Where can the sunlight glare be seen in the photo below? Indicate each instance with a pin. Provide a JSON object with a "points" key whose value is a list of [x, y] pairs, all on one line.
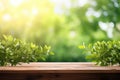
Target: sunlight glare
{"points": [[25, 12], [6, 17], [92, 12], [1, 6], [16, 2], [81, 3], [72, 34], [34, 11], [59, 4], [108, 27]]}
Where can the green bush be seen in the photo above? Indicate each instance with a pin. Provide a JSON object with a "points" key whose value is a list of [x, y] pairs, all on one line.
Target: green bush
{"points": [[14, 51], [105, 53]]}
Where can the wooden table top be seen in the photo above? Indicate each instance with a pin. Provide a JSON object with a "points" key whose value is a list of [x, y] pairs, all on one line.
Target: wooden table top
{"points": [[60, 67]]}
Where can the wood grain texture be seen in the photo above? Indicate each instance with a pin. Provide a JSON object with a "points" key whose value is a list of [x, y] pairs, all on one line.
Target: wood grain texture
{"points": [[59, 71], [64, 67], [61, 76]]}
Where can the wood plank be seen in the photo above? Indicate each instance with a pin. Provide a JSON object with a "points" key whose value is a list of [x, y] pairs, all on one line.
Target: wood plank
{"points": [[60, 76], [60, 67], [59, 71]]}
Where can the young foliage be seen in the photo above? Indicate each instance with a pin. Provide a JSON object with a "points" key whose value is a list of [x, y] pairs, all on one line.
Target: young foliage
{"points": [[14, 51], [105, 53]]}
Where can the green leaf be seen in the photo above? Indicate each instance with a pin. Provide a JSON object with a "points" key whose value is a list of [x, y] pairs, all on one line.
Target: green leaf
{"points": [[13, 51]]}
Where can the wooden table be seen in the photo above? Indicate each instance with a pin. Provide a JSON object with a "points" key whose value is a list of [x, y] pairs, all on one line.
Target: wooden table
{"points": [[59, 71]]}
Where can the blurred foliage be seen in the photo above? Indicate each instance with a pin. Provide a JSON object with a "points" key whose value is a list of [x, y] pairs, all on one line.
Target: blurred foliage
{"points": [[63, 24]]}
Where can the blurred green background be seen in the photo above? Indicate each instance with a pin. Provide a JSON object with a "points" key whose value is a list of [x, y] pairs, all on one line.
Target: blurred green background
{"points": [[62, 24]]}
